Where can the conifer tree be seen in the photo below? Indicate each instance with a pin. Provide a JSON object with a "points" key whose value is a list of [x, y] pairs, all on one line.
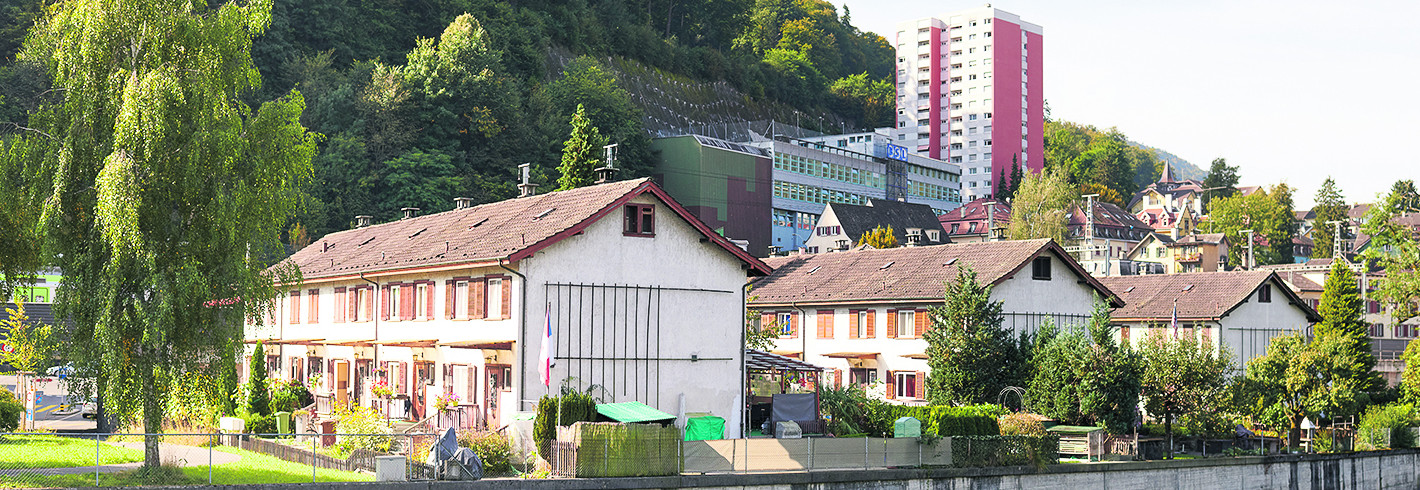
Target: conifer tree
{"points": [[1341, 322], [581, 153], [258, 398], [1016, 175], [1003, 187]]}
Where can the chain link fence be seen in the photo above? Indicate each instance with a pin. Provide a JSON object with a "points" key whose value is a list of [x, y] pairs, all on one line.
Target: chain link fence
{"points": [[45, 460]]}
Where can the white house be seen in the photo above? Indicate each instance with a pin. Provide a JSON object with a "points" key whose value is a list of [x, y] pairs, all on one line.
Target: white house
{"points": [[841, 225], [1243, 309], [643, 301], [862, 313]]}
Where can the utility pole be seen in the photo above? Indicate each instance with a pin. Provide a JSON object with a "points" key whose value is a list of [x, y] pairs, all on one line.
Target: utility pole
{"points": [[1250, 263], [990, 220], [1090, 229], [1336, 238]]}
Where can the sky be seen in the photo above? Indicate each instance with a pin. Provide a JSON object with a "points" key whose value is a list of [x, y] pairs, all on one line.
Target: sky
{"points": [[1286, 91]]}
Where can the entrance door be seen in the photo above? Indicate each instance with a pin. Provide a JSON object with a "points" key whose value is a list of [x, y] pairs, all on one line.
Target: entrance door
{"points": [[362, 382], [423, 377], [342, 383], [497, 382]]}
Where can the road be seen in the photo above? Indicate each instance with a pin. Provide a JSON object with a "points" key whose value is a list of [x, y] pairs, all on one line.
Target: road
{"points": [[51, 411]]}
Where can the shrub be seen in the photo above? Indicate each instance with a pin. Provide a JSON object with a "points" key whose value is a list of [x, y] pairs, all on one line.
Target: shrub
{"points": [[287, 396], [361, 420], [1020, 424], [10, 411], [494, 450], [978, 451], [1386, 426], [576, 407], [258, 399], [259, 424]]}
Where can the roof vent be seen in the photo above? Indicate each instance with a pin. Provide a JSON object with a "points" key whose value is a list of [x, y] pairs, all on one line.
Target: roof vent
{"points": [[475, 225], [813, 270], [409, 212], [463, 202], [363, 220], [1129, 290], [951, 261]]}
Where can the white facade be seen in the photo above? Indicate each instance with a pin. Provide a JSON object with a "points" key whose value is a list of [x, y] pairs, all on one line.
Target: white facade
{"points": [[1244, 331]]}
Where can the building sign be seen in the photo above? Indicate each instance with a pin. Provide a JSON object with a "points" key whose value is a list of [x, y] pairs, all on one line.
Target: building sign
{"points": [[896, 152]]}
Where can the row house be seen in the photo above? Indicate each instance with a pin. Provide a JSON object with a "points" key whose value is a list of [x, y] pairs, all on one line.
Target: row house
{"points": [[1241, 310], [862, 313], [637, 297], [1104, 238]]}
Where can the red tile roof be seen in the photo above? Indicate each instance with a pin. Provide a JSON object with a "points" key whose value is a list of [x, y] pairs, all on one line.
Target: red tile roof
{"points": [[904, 274], [511, 229], [1199, 295]]}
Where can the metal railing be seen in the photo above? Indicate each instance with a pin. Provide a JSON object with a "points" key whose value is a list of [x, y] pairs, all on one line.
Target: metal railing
{"points": [[121, 459]]}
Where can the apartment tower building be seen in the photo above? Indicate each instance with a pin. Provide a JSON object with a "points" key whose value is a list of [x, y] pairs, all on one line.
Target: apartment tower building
{"points": [[969, 92]]}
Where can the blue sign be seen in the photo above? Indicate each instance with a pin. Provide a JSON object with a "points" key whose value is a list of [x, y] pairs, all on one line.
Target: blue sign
{"points": [[896, 152]]}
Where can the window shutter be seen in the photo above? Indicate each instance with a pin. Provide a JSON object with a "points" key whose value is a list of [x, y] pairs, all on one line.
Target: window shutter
{"points": [[794, 325], [340, 306], [352, 298], [295, 307], [765, 320], [920, 323], [872, 325], [477, 298], [449, 300], [891, 384], [428, 300], [507, 297], [385, 303], [921, 390], [330, 377], [837, 378], [406, 302], [825, 323], [892, 324], [852, 324], [403, 377]]}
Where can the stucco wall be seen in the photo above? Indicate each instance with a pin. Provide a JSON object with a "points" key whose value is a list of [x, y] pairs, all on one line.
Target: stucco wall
{"points": [[1245, 331]]}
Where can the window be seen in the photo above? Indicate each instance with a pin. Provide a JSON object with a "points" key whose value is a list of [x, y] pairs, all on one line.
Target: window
{"points": [[1264, 294], [362, 302], [862, 332], [786, 325], [640, 220], [1040, 268], [421, 302], [906, 384], [394, 303], [461, 300], [906, 322], [495, 298], [862, 376]]}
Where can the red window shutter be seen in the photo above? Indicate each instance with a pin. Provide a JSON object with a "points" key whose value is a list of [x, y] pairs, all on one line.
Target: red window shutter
{"points": [[314, 315], [825, 323], [766, 320], [295, 307], [892, 324], [920, 323], [837, 378], [1124, 335], [403, 378], [920, 390], [449, 300], [891, 384], [794, 325], [352, 298], [852, 324], [429, 300], [339, 309], [872, 325], [477, 298], [385, 303], [507, 297], [406, 302]]}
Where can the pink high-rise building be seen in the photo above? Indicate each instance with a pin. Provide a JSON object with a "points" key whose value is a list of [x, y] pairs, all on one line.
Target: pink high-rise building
{"points": [[969, 92]]}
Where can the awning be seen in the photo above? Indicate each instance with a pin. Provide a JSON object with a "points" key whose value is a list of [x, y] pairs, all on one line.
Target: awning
{"points": [[758, 360], [409, 343], [633, 413], [349, 342], [480, 344], [785, 353], [285, 341], [853, 355], [915, 356]]}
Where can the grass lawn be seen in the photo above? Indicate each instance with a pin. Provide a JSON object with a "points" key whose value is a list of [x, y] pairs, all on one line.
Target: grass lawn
{"points": [[252, 468], [59, 452]]}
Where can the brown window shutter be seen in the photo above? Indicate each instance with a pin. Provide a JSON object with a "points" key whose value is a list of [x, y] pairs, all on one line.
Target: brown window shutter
{"points": [[406, 302], [765, 320], [825, 323], [794, 325], [891, 384], [352, 306], [339, 309], [920, 322], [385, 303], [837, 378], [507, 297], [852, 324], [429, 300], [449, 300], [403, 379], [872, 325], [477, 298], [921, 390], [295, 307], [313, 316], [892, 324]]}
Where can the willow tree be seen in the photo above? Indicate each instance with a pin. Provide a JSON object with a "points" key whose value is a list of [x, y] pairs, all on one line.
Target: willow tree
{"points": [[166, 193]]}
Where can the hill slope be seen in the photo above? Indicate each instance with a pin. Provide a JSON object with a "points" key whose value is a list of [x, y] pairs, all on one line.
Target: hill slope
{"points": [[1181, 167]]}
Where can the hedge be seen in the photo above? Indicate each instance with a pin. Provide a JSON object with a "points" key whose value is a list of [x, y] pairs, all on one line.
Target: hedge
{"points": [[980, 451], [576, 407], [978, 420]]}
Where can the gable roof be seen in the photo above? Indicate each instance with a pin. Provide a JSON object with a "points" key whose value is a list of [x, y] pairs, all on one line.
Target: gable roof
{"points": [[505, 230], [977, 210], [1203, 238], [1200, 295], [903, 274], [1106, 214], [1149, 240], [856, 220]]}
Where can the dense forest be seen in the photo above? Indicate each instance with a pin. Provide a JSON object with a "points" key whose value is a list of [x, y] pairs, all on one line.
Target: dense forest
{"points": [[421, 102], [1100, 162]]}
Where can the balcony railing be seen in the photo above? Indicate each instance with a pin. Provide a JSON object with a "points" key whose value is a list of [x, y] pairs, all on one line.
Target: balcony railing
{"points": [[1194, 257]]}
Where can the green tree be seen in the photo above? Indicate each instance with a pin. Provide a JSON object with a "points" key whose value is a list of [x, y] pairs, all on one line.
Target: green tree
{"points": [[19, 237], [1407, 199], [971, 355], [868, 99], [1410, 377], [1222, 180], [1003, 186], [1016, 176], [1040, 207], [879, 237], [1281, 244], [422, 180], [1082, 376], [29, 347], [228, 382], [163, 191], [1269, 219], [581, 153], [1395, 248], [758, 334], [1181, 376], [1343, 329], [258, 400], [1296, 379], [588, 84], [1330, 206]]}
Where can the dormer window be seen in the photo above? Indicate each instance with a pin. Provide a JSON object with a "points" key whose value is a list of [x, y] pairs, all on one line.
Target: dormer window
{"points": [[640, 220]]}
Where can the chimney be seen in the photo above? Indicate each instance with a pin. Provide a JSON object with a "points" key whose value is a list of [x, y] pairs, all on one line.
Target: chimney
{"points": [[409, 212], [363, 220], [914, 237], [463, 202], [606, 172], [526, 188]]}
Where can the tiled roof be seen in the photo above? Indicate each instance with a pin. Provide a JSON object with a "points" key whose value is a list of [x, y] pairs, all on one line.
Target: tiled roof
{"points": [[1299, 282], [1208, 238], [856, 220], [899, 274], [481, 233], [1200, 295], [1107, 214], [977, 210]]}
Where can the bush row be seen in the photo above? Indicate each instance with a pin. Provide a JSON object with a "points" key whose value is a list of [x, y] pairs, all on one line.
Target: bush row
{"points": [[575, 407], [981, 451]]}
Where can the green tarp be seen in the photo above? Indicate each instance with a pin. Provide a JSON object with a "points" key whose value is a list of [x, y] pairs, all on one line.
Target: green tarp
{"points": [[708, 428], [633, 413]]}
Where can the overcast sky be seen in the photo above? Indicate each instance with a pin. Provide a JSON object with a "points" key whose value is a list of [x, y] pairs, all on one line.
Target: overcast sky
{"points": [[1288, 91]]}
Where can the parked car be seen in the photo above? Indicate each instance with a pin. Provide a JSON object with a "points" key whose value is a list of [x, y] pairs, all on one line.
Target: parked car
{"points": [[90, 409], [61, 371]]}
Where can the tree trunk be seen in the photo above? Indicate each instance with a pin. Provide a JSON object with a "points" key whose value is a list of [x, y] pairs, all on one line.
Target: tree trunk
{"points": [[1294, 435], [1168, 436], [152, 421]]}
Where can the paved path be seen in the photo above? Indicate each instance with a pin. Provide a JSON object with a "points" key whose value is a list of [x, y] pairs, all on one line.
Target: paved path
{"points": [[170, 453]]}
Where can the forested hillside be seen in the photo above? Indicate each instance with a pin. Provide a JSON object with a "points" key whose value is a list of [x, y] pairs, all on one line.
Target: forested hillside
{"points": [[418, 103], [1100, 162]]}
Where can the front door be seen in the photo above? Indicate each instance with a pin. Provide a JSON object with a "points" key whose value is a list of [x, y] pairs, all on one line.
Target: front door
{"points": [[362, 382], [497, 377], [423, 377], [342, 383]]}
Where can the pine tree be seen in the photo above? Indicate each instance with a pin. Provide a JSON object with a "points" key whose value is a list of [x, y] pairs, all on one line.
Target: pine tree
{"points": [[1330, 206], [1003, 187], [1016, 175], [581, 153], [1341, 322], [258, 398], [971, 354]]}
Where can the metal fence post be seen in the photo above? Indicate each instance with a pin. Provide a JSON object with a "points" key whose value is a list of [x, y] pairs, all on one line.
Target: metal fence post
{"points": [[811, 454], [96, 459], [313, 458], [210, 444]]}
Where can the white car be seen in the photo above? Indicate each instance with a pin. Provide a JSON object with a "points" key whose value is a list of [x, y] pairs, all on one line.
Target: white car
{"points": [[61, 371]]}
